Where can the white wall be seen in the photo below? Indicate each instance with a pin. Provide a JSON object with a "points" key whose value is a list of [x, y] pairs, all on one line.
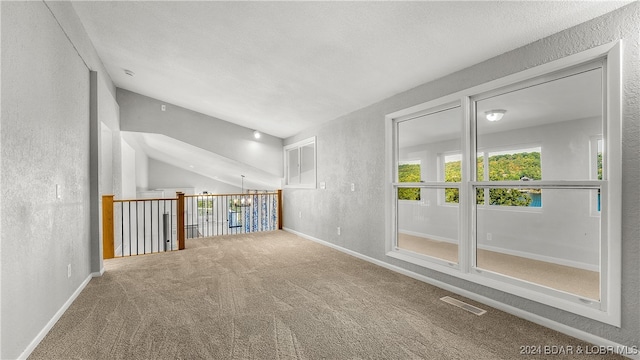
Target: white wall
{"points": [[163, 175], [142, 170], [44, 142], [106, 153], [351, 149], [128, 171]]}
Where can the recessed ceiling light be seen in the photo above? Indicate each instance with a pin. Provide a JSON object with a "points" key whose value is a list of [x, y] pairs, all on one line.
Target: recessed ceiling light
{"points": [[495, 115], [129, 72]]}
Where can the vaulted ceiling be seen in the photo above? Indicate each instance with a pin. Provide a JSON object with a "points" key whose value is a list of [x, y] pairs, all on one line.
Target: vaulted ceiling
{"points": [[280, 67]]}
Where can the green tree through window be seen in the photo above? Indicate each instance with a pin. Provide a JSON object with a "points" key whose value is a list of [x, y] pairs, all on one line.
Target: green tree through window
{"points": [[409, 172], [502, 167]]}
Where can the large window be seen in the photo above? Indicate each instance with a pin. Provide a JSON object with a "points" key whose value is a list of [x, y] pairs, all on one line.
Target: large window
{"points": [[519, 184], [563, 240], [424, 230], [300, 164]]}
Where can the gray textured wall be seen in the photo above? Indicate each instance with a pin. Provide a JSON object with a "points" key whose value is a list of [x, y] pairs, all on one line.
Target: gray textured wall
{"points": [[350, 149], [44, 141]]}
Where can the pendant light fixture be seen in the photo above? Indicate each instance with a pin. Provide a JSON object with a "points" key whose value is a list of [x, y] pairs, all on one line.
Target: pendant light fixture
{"points": [[244, 200]]}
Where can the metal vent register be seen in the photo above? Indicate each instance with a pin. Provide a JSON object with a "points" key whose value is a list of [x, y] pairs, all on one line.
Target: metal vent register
{"points": [[463, 305]]}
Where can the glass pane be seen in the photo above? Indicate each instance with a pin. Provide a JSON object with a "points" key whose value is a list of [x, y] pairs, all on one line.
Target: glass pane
{"points": [[409, 171], [545, 132], [292, 165], [452, 173], [307, 164], [423, 139], [599, 159], [558, 247], [427, 229]]}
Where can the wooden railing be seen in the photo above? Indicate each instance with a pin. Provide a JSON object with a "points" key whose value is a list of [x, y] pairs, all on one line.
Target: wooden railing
{"points": [[144, 226]]}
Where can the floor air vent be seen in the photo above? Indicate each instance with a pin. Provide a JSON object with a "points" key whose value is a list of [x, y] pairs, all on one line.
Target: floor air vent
{"points": [[463, 305]]}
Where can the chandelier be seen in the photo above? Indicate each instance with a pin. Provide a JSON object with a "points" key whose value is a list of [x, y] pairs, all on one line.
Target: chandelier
{"points": [[244, 200]]}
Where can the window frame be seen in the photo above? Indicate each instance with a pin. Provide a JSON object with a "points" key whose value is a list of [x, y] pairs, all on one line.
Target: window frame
{"points": [[442, 194], [608, 309], [297, 146]]}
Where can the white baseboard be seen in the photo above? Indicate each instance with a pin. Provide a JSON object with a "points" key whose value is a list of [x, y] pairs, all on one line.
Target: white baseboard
{"points": [[34, 343], [98, 273], [523, 254], [565, 329]]}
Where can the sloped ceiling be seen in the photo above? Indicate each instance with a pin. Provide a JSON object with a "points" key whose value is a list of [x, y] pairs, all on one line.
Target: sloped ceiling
{"points": [[280, 67], [202, 162]]}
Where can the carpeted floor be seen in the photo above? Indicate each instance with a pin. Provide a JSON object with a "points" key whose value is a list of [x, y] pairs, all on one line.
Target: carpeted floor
{"points": [[277, 296]]}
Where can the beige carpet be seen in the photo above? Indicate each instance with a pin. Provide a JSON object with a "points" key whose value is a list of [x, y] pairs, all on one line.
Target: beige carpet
{"points": [[565, 278], [276, 296]]}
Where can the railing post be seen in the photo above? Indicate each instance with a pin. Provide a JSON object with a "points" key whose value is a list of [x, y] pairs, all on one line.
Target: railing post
{"points": [[108, 251], [279, 209], [181, 228]]}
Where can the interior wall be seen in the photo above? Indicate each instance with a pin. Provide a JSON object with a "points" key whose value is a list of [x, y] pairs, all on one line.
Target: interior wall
{"points": [[45, 172], [143, 114], [128, 170], [351, 149], [163, 175], [107, 160], [142, 170]]}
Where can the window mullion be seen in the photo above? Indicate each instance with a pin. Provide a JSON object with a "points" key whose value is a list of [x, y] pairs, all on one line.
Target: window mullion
{"points": [[465, 249]]}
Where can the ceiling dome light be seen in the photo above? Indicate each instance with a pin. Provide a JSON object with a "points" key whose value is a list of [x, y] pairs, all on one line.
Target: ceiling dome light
{"points": [[256, 134], [495, 115]]}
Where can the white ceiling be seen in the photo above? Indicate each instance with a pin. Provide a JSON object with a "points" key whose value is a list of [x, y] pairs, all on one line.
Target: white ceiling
{"points": [[281, 67]]}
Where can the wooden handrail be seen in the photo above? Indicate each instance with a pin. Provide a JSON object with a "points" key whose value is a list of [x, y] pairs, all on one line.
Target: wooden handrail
{"points": [[132, 200], [245, 194], [108, 250]]}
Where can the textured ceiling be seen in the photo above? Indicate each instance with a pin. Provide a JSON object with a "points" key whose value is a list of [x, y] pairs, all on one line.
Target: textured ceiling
{"points": [[281, 67]]}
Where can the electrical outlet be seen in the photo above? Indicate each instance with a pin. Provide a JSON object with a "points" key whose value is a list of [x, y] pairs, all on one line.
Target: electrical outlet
{"points": [[163, 107], [489, 237], [353, 187], [338, 230], [323, 185], [69, 271], [300, 214]]}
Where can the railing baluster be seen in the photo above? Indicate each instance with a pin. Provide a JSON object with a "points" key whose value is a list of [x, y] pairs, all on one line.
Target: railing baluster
{"points": [[144, 227], [130, 224], [122, 229]]}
